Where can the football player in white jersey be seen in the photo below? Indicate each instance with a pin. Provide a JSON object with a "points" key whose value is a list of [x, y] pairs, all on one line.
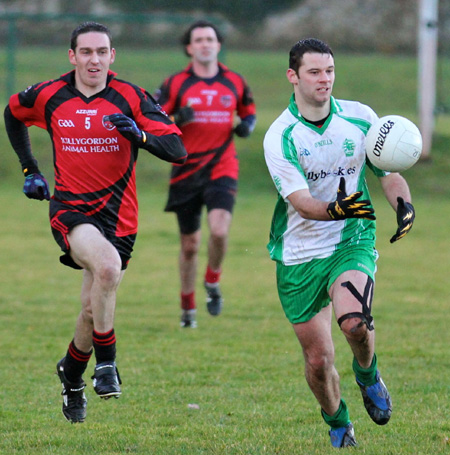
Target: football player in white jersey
{"points": [[323, 232]]}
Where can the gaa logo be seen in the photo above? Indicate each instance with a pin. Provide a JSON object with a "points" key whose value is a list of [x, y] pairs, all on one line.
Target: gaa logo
{"points": [[194, 100], [66, 123], [107, 123]]}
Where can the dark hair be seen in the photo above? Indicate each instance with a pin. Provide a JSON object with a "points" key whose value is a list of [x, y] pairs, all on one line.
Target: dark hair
{"points": [[87, 27], [301, 47], [186, 38]]}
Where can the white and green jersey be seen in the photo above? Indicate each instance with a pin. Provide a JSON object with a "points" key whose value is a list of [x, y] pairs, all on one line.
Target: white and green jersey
{"points": [[302, 156]]}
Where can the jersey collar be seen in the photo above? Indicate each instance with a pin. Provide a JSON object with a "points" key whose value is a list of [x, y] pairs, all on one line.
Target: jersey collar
{"points": [[293, 109], [69, 77], [222, 69]]}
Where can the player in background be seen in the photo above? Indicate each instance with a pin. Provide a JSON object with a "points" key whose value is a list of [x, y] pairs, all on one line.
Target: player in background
{"points": [[323, 232], [96, 124], [203, 100]]}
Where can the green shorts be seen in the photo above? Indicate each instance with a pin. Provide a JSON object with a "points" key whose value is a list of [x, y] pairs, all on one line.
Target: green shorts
{"points": [[303, 288]]}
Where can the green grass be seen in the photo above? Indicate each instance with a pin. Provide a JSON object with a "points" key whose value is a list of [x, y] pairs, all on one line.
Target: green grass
{"points": [[243, 369]]}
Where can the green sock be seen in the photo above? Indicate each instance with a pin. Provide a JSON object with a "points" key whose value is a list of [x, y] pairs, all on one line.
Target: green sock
{"points": [[366, 376], [341, 417]]}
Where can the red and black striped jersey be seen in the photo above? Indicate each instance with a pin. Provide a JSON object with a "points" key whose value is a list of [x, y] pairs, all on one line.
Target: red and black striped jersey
{"points": [[94, 164], [208, 138]]}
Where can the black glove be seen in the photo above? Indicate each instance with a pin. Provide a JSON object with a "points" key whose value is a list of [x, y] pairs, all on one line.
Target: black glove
{"points": [[405, 219], [127, 128], [36, 187], [348, 207], [242, 130], [183, 115]]}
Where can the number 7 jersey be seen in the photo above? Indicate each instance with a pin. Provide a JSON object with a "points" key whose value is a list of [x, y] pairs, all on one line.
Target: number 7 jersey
{"points": [[208, 138]]}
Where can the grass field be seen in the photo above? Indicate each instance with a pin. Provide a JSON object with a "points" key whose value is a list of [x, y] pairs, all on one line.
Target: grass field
{"points": [[243, 369]]}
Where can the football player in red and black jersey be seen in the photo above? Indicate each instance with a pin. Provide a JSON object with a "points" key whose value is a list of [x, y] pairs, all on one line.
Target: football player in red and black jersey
{"points": [[96, 124], [210, 103]]}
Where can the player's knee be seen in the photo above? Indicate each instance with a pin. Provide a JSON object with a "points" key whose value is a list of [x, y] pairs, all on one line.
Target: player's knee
{"points": [[190, 245], [319, 364], [108, 273], [354, 329], [219, 232], [190, 250]]}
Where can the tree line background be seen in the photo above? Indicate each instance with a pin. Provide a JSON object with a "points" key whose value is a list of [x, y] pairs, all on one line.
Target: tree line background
{"points": [[350, 25]]}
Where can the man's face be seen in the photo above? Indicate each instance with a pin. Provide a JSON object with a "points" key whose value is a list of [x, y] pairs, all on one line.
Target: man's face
{"points": [[92, 58], [314, 82], [204, 46]]}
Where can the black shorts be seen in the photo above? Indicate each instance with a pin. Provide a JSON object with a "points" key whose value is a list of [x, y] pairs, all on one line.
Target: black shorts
{"points": [[63, 218], [215, 195]]}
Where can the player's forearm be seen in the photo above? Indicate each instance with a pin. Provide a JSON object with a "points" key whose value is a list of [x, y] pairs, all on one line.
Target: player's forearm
{"points": [[245, 128], [20, 141], [308, 207], [394, 185], [251, 122], [168, 147]]}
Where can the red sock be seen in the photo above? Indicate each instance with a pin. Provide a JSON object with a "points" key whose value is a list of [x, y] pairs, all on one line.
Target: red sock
{"points": [[212, 276], [188, 301]]}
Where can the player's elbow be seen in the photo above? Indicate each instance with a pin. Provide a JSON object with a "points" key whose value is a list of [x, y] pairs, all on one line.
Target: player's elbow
{"points": [[176, 152], [304, 204], [168, 148], [305, 211]]}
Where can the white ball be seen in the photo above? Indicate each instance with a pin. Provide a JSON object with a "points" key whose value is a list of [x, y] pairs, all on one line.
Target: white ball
{"points": [[393, 143]]}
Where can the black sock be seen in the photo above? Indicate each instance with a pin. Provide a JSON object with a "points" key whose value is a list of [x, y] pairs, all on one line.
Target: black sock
{"points": [[104, 346], [75, 363]]}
